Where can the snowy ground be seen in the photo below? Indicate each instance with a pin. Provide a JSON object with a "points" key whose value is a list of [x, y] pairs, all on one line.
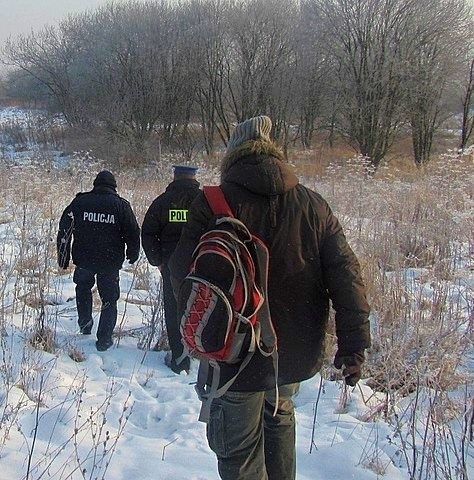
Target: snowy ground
{"points": [[149, 415], [77, 414], [122, 414]]}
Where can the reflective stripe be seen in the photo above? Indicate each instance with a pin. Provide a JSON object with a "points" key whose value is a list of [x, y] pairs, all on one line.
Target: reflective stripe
{"points": [[177, 215]]}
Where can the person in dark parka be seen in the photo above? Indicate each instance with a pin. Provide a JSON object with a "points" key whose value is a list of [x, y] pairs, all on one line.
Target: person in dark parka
{"points": [[103, 230], [310, 264], [161, 230]]}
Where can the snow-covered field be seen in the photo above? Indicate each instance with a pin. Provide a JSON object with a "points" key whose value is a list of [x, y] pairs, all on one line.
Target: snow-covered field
{"points": [[122, 414], [70, 412]]}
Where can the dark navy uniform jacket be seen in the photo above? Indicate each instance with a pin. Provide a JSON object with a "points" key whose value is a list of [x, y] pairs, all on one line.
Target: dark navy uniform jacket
{"points": [[101, 225], [165, 219]]}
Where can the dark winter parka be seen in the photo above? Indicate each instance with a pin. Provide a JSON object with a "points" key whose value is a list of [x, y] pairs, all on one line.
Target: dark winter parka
{"points": [[102, 224], [165, 219], [310, 263]]}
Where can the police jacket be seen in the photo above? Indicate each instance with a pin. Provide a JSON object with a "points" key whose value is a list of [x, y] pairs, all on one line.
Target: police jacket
{"points": [[310, 263], [165, 218], [101, 225]]}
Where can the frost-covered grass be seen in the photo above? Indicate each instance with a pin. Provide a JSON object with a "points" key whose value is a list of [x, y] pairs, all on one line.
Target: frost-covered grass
{"points": [[69, 412]]}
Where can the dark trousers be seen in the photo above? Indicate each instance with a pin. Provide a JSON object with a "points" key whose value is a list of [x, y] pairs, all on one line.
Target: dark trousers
{"points": [[171, 315], [251, 443], [109, 292]]}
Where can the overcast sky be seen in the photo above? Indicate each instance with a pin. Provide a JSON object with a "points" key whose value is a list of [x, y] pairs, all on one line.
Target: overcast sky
{"points": [[21, 16]]}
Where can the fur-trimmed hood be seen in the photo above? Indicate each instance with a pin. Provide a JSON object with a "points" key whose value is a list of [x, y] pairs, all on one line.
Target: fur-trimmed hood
{"points": [[259, 167]]}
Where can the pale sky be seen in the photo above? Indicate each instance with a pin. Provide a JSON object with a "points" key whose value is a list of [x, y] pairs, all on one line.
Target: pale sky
{"points": [[21, 16]]}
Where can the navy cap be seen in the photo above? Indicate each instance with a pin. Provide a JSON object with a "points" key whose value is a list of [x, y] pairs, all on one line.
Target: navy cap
{"points": [[105, 178], [185, 169]]}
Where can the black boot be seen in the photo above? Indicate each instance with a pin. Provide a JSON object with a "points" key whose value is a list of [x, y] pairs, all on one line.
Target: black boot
{"points": [[183, 366]]}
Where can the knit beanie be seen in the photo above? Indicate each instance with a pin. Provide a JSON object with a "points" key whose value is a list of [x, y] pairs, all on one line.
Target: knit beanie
{"points": [[256, 128], [105, 178]]}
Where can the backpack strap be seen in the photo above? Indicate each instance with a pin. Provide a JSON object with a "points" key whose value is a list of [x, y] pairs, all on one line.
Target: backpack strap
{"points": [[217, 202], [208, 393]]}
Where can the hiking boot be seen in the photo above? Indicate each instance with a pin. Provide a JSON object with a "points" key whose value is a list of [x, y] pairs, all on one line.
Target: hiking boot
{"points": [[86, 329], [103, 345], [184, 366]]}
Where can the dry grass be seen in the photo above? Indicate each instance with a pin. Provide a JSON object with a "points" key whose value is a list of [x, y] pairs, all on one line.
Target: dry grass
{"points": [[412, 230], [76, 355], [400, 218], [44, 338]]}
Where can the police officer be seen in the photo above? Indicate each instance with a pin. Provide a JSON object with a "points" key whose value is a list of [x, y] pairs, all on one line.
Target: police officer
{"points": [[104, 229], [161, 230]]}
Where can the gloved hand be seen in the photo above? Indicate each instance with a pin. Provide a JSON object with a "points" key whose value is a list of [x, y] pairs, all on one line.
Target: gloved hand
{"points": [[63, 261], [352, 364], [64, 253]]}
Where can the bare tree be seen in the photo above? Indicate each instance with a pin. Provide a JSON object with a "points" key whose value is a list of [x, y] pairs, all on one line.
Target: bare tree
{"points": [[183, 72], [123, 66], [315, 77], [283, 78], [467, 122], [48, 57], [261, 47], [211, 43], [435, 39], [364, 39], [125, 52]]}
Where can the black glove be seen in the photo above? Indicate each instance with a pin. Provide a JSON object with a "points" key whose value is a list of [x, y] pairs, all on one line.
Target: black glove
{"points": [[64, 252], [63, 261], [352, 364]]}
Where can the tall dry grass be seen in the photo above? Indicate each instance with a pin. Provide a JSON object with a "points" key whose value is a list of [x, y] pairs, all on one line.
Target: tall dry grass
{"points": [[412, 230], [415, 241]]}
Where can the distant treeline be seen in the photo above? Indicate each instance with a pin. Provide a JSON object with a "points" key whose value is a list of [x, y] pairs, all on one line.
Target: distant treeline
{"points": [[186, 70]]}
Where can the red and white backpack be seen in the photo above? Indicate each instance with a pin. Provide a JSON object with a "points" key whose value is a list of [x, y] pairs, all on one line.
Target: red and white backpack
{"points": [[225, 315]]}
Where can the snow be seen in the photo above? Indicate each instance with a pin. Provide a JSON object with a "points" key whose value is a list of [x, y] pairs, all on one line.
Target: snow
{"points": [[152, 413], [77, 413], [123, 414]]}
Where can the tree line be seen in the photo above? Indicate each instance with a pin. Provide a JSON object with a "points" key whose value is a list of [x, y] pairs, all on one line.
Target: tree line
{"points": [[185, 71]]}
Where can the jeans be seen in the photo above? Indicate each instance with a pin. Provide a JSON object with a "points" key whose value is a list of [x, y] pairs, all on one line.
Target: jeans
{"points": [[109, 292], [251, 443]]}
